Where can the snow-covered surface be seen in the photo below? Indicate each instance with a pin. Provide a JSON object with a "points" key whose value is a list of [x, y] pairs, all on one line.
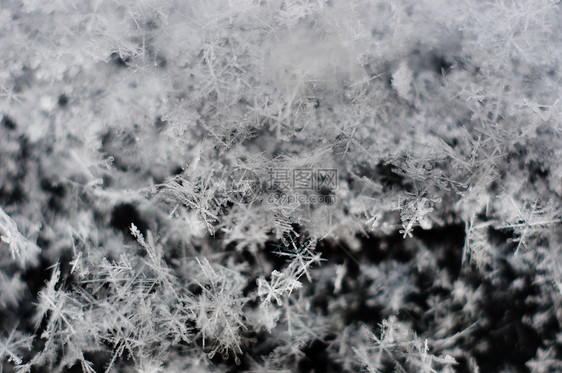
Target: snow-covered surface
{"points": [[141, 230]]}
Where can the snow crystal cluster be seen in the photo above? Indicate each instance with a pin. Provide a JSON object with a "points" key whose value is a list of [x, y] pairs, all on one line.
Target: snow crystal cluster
{"points": [[280, 186]]}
